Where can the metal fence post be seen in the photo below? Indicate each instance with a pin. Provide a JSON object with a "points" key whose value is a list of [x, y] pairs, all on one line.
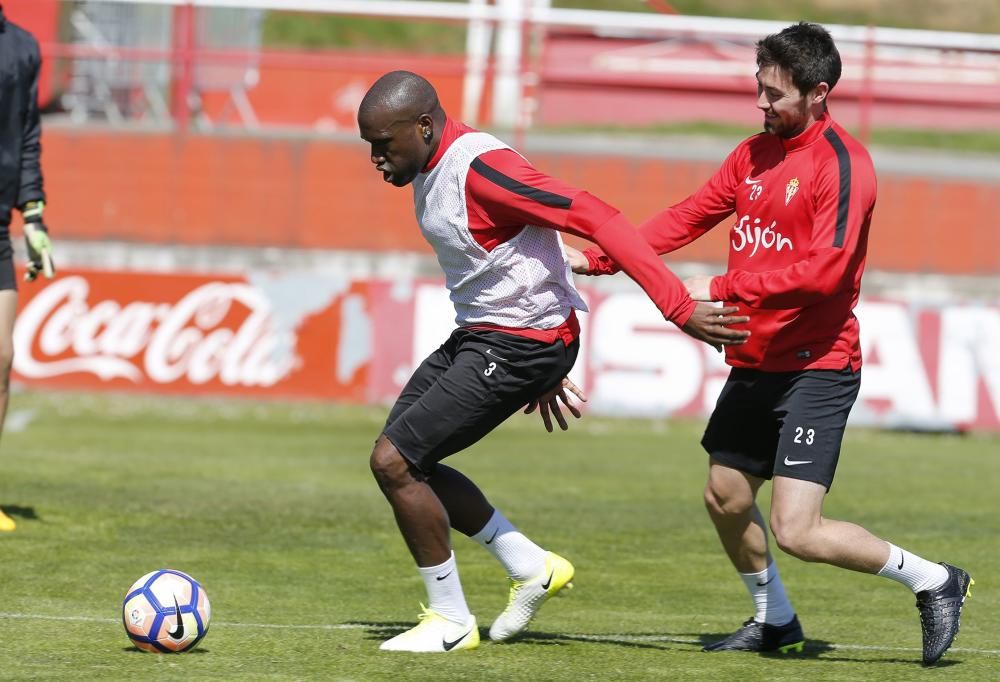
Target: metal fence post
{"points": [[183, 65]]}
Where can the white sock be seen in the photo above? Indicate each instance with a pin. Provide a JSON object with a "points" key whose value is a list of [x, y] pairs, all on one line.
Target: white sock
{"points": [[444, 591], [769, 596], [520, 557], [916, 573]]}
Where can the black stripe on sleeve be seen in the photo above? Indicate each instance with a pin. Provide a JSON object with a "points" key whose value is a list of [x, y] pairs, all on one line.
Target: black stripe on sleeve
{"points": [[844, 197], [508, 183]]}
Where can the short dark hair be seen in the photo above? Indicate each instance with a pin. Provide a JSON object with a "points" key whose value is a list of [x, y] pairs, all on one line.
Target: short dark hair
{"points": [[804, 50]]}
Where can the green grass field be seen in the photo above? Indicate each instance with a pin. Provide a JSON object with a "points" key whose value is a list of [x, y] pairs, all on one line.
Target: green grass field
{"points": [[273, 509]]}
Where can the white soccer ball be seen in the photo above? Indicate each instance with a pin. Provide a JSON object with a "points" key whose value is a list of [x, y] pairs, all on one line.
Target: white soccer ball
{"points": [[166, 611]]}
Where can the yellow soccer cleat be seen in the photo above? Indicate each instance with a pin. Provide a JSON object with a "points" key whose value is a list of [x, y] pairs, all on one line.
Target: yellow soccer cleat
{"points": [[528, 596], [435, 634], [6, 523]]}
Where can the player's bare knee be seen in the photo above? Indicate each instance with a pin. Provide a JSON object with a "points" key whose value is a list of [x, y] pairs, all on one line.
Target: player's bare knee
{"points": [[722, 502], [388, 466], [794, 537]]}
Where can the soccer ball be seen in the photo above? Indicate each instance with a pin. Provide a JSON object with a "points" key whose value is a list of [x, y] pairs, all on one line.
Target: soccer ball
{"points": [[166, 611]]}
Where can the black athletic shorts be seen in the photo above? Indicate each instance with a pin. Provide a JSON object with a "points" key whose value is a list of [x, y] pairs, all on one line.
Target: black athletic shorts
{"points": [[7, 279], [468, 387], [782, 423]]}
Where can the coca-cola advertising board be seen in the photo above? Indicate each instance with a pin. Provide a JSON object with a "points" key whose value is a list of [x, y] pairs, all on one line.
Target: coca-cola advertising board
{"points": [[187, 334], [287, 334]]}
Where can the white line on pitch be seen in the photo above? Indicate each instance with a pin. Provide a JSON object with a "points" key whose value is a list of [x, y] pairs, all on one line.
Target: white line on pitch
{"points": [[584, 637]]}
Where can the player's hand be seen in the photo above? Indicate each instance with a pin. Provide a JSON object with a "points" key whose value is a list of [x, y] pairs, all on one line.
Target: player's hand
{"points": [[549, 402], [699, 287], [714, 326], [36, 237], [577, 261]]}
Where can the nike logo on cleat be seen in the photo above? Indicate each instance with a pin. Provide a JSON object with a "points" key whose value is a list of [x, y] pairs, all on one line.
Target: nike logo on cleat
{"points": [[442, 577], [794, 462], [178, 631], [493, 537], [548, 582], [448, 646]]}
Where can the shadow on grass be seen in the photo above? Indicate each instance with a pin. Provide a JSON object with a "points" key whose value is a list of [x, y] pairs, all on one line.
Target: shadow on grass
{"points": [[383, 630], [815, 649], [135, 650], [678, 642], [20, 512], [554, 638]]}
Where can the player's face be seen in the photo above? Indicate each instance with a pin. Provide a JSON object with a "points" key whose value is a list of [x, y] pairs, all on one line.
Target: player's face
{"points": [[399, 149], [787, 111]]}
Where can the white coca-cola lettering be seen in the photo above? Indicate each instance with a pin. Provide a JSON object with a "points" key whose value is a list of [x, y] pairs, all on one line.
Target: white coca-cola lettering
{"points": [[49, 317], [187, 341]]}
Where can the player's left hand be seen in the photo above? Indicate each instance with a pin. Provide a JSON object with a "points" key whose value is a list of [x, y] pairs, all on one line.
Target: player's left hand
{"points": [[549, 402], [36, 237], [699, 287]]}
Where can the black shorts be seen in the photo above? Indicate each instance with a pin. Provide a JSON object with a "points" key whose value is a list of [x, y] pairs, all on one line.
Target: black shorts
{"points": [[7, 279], [782, 423], [468, 387]]}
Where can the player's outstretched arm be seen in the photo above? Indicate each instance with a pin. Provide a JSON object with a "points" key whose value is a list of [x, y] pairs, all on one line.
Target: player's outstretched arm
{"points": [[549, 402]]}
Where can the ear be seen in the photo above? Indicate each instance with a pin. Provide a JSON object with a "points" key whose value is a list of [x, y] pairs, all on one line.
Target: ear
{"points": [[819, 93], [426, 124]]}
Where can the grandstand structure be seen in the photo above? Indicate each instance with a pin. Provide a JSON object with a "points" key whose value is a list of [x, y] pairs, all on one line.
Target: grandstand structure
{"points": [[220, 230]]}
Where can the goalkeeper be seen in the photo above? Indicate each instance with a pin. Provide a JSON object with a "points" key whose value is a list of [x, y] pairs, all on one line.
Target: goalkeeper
{"points": [[20, 187]]}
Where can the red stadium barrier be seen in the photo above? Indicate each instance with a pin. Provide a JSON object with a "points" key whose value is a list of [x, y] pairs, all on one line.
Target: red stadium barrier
{"points": [[309, 193], [596, 80]]}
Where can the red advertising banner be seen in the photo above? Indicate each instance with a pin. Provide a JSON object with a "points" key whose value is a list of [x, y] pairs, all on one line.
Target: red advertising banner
{"points": [[288, 334], [188, 334]]}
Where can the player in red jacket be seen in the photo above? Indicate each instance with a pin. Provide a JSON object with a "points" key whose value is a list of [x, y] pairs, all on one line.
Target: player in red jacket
{"points": [[802, 195]]}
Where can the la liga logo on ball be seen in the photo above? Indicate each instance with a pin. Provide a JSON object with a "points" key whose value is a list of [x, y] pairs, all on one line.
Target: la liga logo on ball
{"points": [[166, 611]]}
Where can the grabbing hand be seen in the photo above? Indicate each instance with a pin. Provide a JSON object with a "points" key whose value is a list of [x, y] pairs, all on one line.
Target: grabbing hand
{"points": [[36, 237], [712, 325], [577, 261], [550, 401]]}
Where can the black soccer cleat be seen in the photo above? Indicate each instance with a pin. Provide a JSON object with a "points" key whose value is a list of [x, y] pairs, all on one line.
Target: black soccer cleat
{"points": [[940, 611], [761, 637]]}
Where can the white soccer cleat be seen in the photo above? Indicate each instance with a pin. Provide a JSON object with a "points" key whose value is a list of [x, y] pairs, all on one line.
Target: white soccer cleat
{"points": [[435, 634], [528, 596]]}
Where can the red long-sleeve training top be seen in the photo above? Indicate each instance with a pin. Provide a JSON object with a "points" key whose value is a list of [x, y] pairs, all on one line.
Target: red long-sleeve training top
{"points": [[504, 193], [797, 247]]}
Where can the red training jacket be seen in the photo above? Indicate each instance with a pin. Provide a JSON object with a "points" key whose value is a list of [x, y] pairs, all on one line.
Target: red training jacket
{"points": [[797, 247]]}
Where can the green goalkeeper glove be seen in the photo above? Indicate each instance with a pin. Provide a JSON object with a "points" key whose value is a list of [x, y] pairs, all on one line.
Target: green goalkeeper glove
{"points": [[36, 237]]}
